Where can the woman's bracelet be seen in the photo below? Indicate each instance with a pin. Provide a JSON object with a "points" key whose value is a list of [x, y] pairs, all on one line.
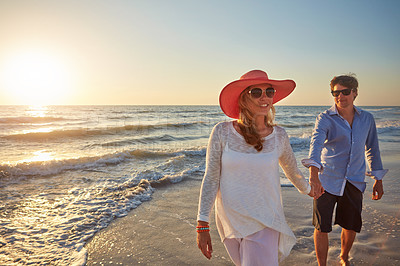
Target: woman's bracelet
{"points": [[201, 229]]}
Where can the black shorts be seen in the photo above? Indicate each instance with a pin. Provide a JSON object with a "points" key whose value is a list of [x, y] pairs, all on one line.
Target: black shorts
{"points": [[348, 210]]}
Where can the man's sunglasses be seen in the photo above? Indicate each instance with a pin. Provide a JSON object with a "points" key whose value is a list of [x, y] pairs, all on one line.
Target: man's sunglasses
{"points": [[345, 92], [257, 92]]}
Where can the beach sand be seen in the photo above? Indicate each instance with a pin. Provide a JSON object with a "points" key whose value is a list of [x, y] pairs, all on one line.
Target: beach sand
{"points": [[162, 231]]}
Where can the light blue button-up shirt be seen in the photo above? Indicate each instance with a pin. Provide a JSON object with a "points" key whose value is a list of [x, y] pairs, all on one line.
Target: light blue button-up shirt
{"points": [[339, 150]]}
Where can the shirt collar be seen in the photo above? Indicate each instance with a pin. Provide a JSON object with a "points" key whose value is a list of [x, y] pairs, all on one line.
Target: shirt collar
{"points": [[333, 110]]}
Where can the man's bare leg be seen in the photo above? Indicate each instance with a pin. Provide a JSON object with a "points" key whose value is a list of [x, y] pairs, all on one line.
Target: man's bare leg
{"points": [[321, 242], [347, 239]]}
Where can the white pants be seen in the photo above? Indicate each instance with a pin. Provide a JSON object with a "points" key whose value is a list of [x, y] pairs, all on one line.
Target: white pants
{"points": [[258, 249]]}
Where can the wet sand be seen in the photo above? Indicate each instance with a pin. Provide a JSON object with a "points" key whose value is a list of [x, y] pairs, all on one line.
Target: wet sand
{"points": [[162, 231]]}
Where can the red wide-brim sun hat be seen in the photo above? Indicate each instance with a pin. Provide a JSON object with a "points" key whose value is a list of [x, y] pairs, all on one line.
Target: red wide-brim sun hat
{"points": [[229, 96]]}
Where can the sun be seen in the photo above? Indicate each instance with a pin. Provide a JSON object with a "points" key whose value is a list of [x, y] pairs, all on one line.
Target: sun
{"points": [[35, 78]]}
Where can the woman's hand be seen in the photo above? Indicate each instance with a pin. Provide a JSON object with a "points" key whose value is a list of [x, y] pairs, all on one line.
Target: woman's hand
{"points": [[204, 241], [311, 194]]}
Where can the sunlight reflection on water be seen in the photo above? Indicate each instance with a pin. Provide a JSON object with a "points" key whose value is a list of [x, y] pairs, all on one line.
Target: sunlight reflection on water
{"points": [[40, 156], [37, 110]]}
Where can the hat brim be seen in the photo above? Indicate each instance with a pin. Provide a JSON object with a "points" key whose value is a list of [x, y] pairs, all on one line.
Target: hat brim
{"points": [[229, 96]]}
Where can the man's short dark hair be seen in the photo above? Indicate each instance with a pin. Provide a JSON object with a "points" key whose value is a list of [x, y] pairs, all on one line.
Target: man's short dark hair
{"points": [[348, 81]]}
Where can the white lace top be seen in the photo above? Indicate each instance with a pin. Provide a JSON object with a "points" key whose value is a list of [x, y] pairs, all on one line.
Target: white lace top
{"points": [[244, 184]]}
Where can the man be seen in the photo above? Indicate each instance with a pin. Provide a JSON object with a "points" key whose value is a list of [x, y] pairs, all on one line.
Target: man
{"points": [[343, 136]]}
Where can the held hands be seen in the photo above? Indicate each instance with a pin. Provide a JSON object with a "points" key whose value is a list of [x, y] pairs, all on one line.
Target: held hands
{"points": [[204, 240], [316, 187], [311, 194], [377, 190]]}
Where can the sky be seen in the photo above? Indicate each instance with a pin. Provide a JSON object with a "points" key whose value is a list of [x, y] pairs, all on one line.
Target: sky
{"points": [[183, 52]]}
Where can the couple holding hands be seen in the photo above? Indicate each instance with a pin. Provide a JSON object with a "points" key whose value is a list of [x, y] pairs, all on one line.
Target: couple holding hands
{"points": [[242, 171]]}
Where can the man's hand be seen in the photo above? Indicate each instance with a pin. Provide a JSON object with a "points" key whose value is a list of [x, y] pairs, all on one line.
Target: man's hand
{"points": [[377, 190], [316, 185]]}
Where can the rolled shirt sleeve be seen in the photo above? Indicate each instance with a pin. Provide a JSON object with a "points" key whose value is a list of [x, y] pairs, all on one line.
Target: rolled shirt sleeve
{"points": [[318, 138], [373, 155], [378, 174], [308, 162]]}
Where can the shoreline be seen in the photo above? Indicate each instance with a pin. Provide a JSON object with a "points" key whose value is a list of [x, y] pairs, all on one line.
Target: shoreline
{"points": [[162, 231]]}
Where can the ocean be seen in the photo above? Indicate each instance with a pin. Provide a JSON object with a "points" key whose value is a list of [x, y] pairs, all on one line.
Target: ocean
{"points": [[66, 172]]}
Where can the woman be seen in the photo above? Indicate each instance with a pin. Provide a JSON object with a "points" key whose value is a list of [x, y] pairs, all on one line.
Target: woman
{"points": [[242, 174]]}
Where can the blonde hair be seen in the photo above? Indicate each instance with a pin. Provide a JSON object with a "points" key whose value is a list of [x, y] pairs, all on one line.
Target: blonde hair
{"points": [[247, 125]]}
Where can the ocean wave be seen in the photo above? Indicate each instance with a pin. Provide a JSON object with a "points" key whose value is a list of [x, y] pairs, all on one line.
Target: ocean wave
{"points": [[145, 140], [388, 124], [388, 127], [300, 143], [84, 132], [297, 125], [166, 180], [164, 138], [303, 116], [53, 167], [381, 109], [144, 111], [161, 154], [188, 110], [305, 138], [30, 120], [179, 166], [80, 214], [54, 134]]}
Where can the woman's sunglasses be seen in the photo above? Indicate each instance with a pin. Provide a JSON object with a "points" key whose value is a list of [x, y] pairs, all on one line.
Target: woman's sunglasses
{"points": [[257, 92], [345, 92]]}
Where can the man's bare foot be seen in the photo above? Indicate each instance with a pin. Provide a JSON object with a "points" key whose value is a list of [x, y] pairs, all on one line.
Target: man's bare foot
{"points": [[344, 262]]}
